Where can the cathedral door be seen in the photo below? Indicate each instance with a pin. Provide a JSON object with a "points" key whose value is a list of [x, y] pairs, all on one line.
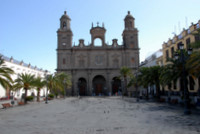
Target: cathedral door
{"points": [[98, 89], [99, 85], [116, 86]]}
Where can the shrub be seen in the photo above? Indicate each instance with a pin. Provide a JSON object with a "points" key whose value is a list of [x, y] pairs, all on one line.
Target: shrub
{"points": [[29, 98], [51, 96]]}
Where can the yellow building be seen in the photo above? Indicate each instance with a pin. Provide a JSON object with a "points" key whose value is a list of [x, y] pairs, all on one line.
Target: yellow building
{"points": [[172, 45]]}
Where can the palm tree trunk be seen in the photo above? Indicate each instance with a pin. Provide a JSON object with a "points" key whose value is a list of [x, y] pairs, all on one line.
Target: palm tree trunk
{"points": [[25, 95], [158, 90], [125, 85], [147, 95], [38, 95]]}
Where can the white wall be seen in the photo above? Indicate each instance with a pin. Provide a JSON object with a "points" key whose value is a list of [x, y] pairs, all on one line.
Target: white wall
{"points": [[22, 68]]}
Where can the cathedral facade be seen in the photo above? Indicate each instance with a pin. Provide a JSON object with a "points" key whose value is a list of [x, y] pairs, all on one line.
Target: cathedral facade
{"points": [[95, 70]]}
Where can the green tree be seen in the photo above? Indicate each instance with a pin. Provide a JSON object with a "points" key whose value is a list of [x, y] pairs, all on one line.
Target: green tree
{"points": [[144, 79], [5, 75], [65, 81], [155, 72], [25, 81], [125, 72], [193, 64], [54, 84], [39, 83]]}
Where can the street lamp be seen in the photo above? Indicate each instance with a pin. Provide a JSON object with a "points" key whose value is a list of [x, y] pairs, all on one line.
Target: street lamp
{"points": [[182, 58]]}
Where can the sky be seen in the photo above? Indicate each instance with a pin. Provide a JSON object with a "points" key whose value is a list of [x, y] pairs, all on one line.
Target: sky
{"points": [[28, 27]]}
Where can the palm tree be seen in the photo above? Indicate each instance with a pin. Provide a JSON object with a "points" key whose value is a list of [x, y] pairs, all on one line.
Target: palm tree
{"points": [[154, 73], [39, 83], [64, 80], [54, 85], [5, 75], [25, 81], [144, 79], [125, 72]]}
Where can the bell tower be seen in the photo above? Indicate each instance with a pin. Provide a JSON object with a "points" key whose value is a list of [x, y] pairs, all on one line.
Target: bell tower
{"points": [[130, 33], [64, 32]]}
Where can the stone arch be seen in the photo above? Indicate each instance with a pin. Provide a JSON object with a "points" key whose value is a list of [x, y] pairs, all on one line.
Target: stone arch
{"points": [[99, 85], [64, 24], [116, 86], [82, 86], [98, 42], [98, 32]]}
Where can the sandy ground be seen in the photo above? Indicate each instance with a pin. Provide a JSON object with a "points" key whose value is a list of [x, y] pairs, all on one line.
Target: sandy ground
{"points": [[89, 115]]}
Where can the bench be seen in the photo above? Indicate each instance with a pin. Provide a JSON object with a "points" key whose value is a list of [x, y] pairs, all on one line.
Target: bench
{"points": [[6, 105], [20, 103]]}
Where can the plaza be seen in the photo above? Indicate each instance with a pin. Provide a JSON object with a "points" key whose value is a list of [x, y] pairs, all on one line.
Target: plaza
{"points": [[98, 115]]}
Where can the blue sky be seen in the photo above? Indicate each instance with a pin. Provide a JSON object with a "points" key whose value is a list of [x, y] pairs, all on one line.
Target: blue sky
{"points": [[28, 27]]}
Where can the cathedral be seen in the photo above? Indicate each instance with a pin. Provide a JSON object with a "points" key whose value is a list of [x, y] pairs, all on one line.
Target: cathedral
{"points": [[95, 68]]}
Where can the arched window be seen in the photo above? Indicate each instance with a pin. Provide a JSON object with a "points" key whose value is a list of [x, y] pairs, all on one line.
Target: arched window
{"points": [[98, 42], [64, 24]]}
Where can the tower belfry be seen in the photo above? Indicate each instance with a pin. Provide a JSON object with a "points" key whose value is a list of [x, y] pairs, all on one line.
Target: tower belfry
{"points": [[130, 33], [64, 32]]}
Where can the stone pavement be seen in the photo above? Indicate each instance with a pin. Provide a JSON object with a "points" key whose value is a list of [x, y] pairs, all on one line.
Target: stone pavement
{"points": [[100, 115]]}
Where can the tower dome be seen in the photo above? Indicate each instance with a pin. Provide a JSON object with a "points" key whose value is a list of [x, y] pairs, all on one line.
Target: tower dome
{"points": [[65, 16], [129, 16]]}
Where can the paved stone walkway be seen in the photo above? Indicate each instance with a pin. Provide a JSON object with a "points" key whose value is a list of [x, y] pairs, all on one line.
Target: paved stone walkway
{"points": [[89, 115]]}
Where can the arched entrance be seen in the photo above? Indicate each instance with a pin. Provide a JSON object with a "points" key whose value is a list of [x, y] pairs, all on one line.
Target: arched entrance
{"points": [[116, 86], [99, 84], [82, 85]]}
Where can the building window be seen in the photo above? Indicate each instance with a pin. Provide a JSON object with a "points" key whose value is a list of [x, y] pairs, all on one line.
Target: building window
{"points": [[191, 83], [116, 62], [64, 62], [81, 63], [167, 54], [187, 42], [172, 52], [99, 60], [197, 38]]}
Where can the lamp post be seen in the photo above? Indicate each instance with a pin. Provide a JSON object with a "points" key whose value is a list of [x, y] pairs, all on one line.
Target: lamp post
{"points": [[182, 58]]}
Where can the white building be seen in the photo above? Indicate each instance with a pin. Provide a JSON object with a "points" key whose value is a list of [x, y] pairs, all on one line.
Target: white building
{"points": [[20, 67], [153, 59]]}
